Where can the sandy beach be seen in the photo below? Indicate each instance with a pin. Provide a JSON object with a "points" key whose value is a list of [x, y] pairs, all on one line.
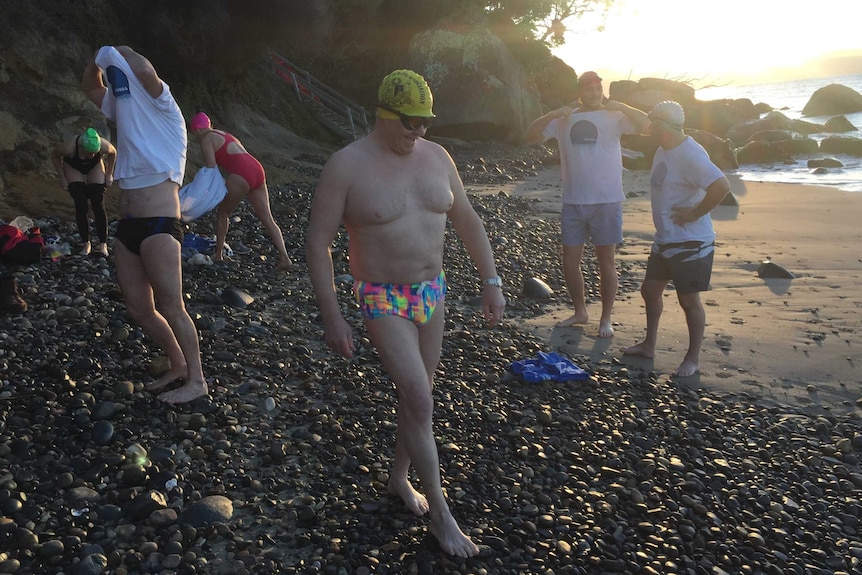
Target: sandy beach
{"points": [[787, 342]]}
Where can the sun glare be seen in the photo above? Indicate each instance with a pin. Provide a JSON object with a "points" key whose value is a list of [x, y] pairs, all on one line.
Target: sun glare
{"points": [[711, 41]]}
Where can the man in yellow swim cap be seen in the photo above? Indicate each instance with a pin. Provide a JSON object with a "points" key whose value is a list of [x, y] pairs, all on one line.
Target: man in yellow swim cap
{"points": [[394, 191]]}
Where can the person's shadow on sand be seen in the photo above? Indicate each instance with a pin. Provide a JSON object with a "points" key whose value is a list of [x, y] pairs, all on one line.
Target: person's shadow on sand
{"points": [[646, 364], [571, 339]]}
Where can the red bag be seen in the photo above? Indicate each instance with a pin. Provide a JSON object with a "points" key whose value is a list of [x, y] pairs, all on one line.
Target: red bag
{"points": [[16, 247]]}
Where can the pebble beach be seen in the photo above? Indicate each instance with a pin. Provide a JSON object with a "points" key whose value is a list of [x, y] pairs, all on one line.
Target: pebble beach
{"points": [[751, 467]]}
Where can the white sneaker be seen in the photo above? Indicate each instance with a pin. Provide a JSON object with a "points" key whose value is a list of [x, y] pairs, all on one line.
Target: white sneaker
{"points": [[85, 251], [102, 249]]}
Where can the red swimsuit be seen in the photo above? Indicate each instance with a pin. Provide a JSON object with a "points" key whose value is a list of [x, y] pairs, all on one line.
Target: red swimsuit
{"points": [[243, 165]]}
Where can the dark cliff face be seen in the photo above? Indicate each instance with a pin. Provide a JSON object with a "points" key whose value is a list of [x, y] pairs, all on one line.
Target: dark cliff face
{"points": [[211, 53]]}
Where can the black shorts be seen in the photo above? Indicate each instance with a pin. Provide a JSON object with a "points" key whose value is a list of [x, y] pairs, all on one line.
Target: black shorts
{"points": [[687, 264], [133, 231]]}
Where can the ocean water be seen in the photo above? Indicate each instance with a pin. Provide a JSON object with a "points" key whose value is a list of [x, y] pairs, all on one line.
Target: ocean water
{"points": [[790, 97]]}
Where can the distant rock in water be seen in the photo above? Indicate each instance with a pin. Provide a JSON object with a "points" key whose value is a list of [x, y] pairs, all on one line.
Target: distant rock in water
{"points": [[537, 289], [825, 163], [839, 124], [720, 150], [771, 270], [841, 145], [833, 99], [761, 152]]}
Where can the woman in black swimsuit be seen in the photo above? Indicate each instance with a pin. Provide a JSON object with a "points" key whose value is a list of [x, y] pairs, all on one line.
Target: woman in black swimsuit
{"points": [[86, 167]]}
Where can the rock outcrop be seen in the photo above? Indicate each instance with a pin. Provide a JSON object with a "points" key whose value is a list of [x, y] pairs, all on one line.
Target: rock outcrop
{"points": [[839, 125], [647, 92], [841, 145], [481, 92], [832, 100], [721, 151]]}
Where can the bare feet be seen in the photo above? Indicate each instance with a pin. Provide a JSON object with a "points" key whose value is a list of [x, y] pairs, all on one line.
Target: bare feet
{"points": [[170, 376], [605, 329], [284, 265], [640, 350], [574, 320], [686, 368], [184, 394], [415, 501], [450, 537]]}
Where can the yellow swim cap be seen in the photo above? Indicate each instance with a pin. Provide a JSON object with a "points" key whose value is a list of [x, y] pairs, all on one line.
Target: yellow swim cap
{"points": [[90, 141], [405, 92]]}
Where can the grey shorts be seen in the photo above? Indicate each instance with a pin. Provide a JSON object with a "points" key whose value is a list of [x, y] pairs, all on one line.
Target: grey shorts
{"points": [[688, 265], [602, 224]]}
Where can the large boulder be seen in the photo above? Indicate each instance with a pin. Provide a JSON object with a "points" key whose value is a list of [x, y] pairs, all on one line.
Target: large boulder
{"points": [[717, 116], [740, 133], [788, 142], [841, 145], [647, 92], [481, 92], [773, 135], [797, 146], [644, 148], [720, 150], [557, 83], [832, 100], [825, 163], [839, 125], [805, 127], [761, 152]]}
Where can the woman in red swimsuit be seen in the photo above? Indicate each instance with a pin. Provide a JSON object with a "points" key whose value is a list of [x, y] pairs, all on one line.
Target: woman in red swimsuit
{"points": [[245, 177]]}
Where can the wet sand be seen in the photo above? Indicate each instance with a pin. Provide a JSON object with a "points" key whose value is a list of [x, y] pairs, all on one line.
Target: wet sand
{"points": [[784, 341]]}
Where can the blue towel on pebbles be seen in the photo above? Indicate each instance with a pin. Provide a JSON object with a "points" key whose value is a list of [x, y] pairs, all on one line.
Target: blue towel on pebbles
{"points": [[198, 243], [548, 367]]}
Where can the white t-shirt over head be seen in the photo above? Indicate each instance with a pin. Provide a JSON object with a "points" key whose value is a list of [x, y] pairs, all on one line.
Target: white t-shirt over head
{"points": [[151, 132]]}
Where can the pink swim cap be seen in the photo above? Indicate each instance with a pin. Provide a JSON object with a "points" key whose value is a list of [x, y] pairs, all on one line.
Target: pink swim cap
{"points": [[200, 120]]}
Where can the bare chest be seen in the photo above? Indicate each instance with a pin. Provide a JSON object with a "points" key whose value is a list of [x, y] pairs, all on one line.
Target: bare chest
{"points": [[377, 201]]}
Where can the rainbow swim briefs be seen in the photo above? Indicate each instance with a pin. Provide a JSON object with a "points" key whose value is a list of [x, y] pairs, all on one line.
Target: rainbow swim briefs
{"points": [[415, 302]]}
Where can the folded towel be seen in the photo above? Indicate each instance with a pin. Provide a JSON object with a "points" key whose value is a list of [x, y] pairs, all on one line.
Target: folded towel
{"points": [[548, 367]]}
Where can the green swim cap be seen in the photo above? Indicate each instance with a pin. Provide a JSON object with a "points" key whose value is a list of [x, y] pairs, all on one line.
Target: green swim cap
{"points": [[406, 92], [90, 141]]}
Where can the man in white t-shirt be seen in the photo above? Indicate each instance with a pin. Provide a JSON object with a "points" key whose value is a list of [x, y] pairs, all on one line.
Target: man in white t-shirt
{"points": [[684, 186], [592, 174], [151, 161]]}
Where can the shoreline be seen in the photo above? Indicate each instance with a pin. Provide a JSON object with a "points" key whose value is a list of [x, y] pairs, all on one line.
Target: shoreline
{"points": [[780, 342]]}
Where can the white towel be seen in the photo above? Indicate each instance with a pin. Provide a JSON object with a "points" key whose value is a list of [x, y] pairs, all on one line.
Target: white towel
{"points": [[204, 193]]}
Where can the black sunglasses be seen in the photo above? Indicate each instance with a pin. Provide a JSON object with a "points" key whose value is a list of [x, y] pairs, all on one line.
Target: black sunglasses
{"points": [[409, 122]]}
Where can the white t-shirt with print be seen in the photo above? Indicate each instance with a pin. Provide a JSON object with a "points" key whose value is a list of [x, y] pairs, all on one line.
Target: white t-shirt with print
{"points": [[680, 177], [591, 162]]}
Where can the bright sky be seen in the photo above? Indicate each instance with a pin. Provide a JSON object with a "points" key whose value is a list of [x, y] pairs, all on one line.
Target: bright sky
{"points": [[711, 41]]}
